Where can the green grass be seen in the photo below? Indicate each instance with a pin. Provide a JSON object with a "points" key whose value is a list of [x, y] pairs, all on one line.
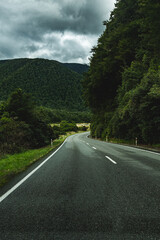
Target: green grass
{"points": [[10, 165], [132, 142], [157, 146], [113, 140]]}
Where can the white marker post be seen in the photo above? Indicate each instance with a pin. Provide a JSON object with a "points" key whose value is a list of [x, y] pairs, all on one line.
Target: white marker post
{"points": [[136, 141]]}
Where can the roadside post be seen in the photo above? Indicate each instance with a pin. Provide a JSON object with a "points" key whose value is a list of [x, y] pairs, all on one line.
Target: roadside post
{"points": [[136, 142]]}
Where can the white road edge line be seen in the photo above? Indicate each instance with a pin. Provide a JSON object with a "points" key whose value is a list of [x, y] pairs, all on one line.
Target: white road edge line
{"points": [[142, 150], [94, 148], [29, 175], [110, 159]]}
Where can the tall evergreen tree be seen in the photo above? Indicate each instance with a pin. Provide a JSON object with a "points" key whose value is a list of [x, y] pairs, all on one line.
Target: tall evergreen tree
{"points": [[122, 86]]}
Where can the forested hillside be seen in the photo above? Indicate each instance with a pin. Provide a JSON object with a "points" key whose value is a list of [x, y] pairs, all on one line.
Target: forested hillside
{"points": [[51, 83], [23, 125], [122, 87], [76, 67], [20, 125]]}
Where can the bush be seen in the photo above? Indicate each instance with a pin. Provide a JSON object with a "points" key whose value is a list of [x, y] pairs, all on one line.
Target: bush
{"points": [[68, 127], [20, 126], [14, 136], [83, 128]]}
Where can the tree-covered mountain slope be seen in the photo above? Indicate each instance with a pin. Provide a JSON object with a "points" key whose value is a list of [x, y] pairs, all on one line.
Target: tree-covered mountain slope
{"points": [[77, 67], [122, 86], [51, 83]]}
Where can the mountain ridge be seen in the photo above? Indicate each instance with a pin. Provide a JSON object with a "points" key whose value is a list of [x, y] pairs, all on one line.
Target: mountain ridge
{"points": [[52, 84], [77, 67]]}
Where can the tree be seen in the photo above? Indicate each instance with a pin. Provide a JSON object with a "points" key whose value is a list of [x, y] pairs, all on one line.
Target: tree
{"points": [[20, 127], [122, 84], [66, 126], [15, 136], [20, 106]]}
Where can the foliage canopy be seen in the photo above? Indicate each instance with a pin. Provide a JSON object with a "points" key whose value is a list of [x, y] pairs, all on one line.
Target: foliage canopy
{"points": [[122, 86], [52, 84]]}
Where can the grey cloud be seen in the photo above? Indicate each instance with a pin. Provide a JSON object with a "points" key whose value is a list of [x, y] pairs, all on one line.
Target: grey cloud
{"points": [[82, 17], [63, 47], [24, 25]]}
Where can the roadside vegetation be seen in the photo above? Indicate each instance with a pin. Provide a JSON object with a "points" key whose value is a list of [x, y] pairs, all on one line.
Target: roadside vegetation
{"points": [[20, 126], [135, 143], [122, 86], [26, 133], [12, 164], [25, 126]]}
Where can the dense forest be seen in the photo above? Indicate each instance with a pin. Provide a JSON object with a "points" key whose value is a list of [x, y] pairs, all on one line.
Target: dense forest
{"points": [[35, 94], [20, 126], [122, 86], [77, 67], [23, 125], [52, 83]]}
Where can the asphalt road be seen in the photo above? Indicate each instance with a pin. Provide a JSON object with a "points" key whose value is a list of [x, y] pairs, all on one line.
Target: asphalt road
{"points": [[87, 190]]}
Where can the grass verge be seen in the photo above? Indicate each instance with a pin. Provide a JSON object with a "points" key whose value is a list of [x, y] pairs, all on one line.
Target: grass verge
{"points": [[10, 165], [155, 147]]}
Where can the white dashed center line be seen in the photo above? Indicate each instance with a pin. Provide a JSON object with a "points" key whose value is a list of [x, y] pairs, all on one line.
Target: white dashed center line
{"points": [[110, 159], [94, 148]]}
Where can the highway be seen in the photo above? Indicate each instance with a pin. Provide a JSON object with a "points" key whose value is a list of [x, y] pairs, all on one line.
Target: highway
{"points": [[86, 190]]}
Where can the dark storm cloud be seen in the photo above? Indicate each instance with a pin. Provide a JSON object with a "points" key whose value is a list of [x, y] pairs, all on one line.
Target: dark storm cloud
{"points": [[64, 30]]}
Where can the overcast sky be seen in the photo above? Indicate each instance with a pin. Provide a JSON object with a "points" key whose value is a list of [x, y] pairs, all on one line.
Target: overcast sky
{"points": [[62, 30]]}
